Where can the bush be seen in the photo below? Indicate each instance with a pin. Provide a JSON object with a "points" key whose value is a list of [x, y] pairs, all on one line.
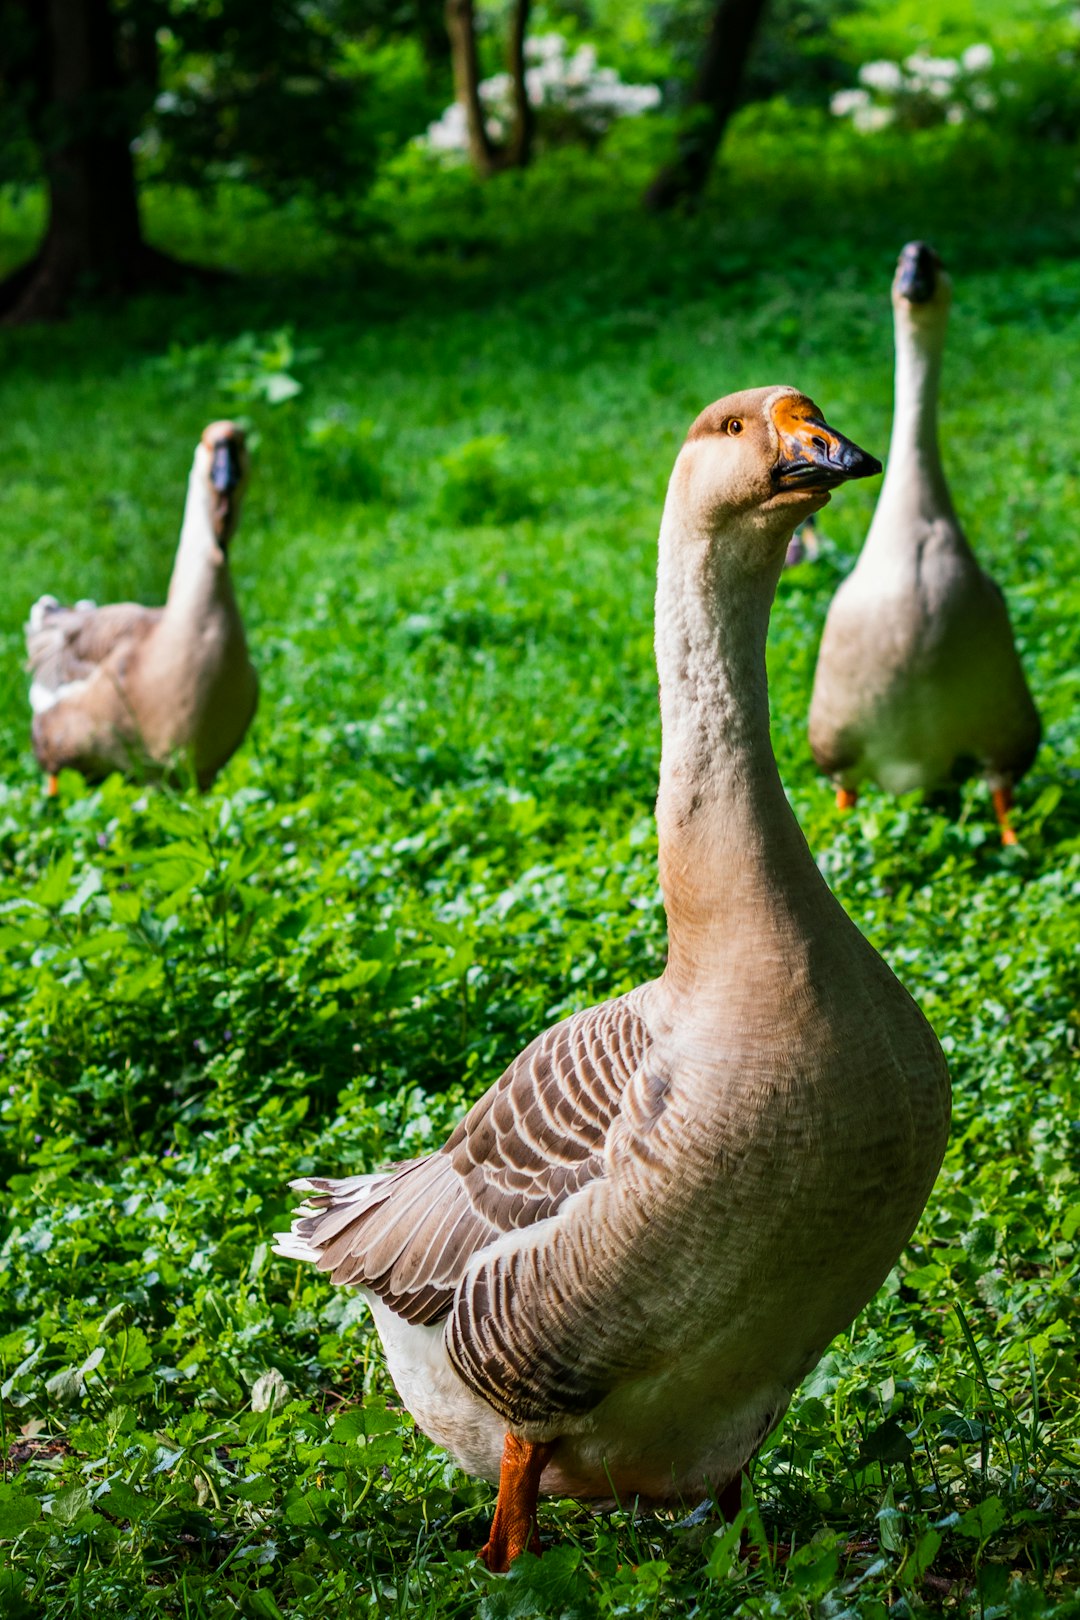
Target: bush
{"points": [[478, 486], [344, 456]]}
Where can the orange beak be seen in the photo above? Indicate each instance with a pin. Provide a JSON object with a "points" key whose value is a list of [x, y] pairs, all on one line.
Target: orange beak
{"points": [[813, 456]]}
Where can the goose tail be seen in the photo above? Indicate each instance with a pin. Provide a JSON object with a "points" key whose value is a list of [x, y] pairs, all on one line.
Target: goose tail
{"points": [[327, 1207], [49, 631]]}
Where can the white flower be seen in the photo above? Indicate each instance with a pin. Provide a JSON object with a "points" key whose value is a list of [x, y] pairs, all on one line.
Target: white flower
{"points": [[544, 47], [495, 88], [977, 58], [884, 76], [845, 102], [450, 133], [931, 67], [869, 119], [587, 96]]}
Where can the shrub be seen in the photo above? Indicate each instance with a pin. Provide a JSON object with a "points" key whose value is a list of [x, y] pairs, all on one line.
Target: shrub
{"points": [[478, 486], [344, 456]]}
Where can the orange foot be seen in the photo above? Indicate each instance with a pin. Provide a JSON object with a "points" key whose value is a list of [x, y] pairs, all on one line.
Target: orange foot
{"points": [[52, 786], [1002, 798], [846, 798], [514, 1529]]}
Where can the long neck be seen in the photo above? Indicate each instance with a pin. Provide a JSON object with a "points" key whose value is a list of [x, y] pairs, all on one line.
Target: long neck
{"points": [[200, 578], [729, 844], [914, 491]]}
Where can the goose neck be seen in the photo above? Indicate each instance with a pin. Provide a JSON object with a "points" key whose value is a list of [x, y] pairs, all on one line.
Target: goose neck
{"points": [[200, 574], [914, 453], [725, 828]]}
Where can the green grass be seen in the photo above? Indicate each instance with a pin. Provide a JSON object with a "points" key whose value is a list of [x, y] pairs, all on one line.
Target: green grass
{"points": [[439, 838]]}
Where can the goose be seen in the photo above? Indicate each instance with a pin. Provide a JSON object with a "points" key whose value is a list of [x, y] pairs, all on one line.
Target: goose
{"points": [[610, 1278], [153, 691], [918, 682]]}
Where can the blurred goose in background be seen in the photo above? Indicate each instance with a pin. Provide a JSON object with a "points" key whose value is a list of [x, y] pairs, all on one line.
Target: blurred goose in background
{"points": [[611, 1277], [153, 691], [918, 682]]}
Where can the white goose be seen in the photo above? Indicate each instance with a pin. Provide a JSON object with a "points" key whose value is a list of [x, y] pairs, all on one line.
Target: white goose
{"points": [[611, 1277], [918, 683], [153, 691]]}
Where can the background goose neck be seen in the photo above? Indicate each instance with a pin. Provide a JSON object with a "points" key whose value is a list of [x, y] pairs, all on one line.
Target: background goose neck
{"points": [[200, 578], [914, 484]]}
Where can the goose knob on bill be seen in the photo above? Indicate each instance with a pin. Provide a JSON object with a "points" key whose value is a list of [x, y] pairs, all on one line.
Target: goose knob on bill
{"points": [[918, 682], [153, 692], [611, 1277]]}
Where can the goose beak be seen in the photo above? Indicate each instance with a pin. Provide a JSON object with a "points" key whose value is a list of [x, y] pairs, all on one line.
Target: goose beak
{"points": [[225, 470], [225, 445], [917, 273], [813, 456]]}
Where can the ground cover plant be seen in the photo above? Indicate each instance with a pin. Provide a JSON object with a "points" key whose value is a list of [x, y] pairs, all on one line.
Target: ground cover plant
{"points": [[438, 838]]}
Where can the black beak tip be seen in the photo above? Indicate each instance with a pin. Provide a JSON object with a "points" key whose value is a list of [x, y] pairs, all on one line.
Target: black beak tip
{"points": [[917, 272], [865, 465], [225, 467]]}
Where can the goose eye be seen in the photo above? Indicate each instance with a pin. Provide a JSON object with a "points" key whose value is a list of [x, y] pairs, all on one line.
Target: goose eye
{"points": [[734, 426]]}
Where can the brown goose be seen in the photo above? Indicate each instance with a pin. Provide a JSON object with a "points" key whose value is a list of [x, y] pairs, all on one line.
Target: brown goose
{"points": [[918, 683], [153, 691], [611, 1277]]}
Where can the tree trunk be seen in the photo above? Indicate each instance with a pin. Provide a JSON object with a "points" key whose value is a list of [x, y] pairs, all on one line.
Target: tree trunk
{"points": [[519, 146], [712, 101], [488, 156], [461, 27], [84, 126]]}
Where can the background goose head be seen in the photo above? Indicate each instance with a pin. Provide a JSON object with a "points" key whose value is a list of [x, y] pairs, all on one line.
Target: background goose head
{"points": [[921, 289], [755, 464], [220, 470]]}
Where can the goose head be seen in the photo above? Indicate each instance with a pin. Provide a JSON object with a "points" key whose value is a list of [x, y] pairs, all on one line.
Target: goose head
{"points": [[757, 463], [921, 289], [221, 466]]}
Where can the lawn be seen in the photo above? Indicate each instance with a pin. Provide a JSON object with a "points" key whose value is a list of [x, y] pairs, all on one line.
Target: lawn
{"points": [[438, 838]]}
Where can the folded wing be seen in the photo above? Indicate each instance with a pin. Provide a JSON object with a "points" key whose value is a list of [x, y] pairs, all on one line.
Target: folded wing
{"points": [[527, 1145]]}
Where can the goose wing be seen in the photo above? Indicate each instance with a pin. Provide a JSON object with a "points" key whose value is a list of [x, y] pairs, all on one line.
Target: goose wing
{"points": [[67, 644], [1014, 729], [535, 1138]]}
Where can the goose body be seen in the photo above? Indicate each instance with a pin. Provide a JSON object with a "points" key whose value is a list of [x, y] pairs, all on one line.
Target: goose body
{"points": [[151, 691], [918, 682], [643, 1236]]}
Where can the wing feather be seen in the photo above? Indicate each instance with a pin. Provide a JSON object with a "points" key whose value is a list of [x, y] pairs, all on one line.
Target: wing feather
{"points": [[527, 1145], [66, 644]]}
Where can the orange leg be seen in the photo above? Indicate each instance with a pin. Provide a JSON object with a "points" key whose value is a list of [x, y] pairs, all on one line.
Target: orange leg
{"points": [[514, 1529], [1002, 798], [846, 798], [52, 786]]}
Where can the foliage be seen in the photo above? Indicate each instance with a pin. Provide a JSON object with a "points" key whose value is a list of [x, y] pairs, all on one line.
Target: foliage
{"points": [[480, 486], [439, 838], [204, 92], [1030, 94]]}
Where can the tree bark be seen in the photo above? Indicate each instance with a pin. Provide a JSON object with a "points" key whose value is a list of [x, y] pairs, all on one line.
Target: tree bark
{"points": [[519, 146], [712, 101], [461, 27], [84, 123], [488, 156]]}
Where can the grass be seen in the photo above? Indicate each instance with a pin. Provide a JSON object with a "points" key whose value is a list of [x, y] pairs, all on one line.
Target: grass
{"points": [[439, 838]]}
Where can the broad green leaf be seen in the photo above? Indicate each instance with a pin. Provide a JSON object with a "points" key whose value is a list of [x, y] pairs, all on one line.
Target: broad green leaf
{"points": [[17, 1510]]}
